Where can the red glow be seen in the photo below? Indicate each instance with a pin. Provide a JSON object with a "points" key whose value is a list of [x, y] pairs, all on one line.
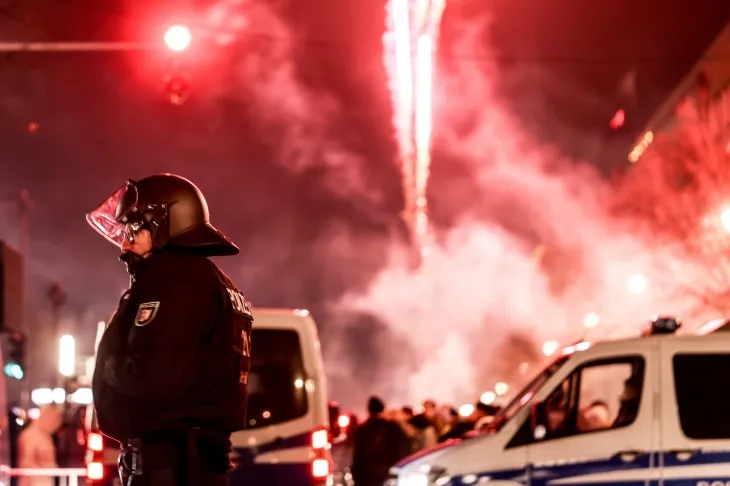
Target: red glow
{"points": [[320, 468], [95, 471], [618, 120], [320, 439], [95, 442]]}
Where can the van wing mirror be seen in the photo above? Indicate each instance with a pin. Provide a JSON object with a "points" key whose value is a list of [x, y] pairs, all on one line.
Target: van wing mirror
{"points": [[538, 421]]}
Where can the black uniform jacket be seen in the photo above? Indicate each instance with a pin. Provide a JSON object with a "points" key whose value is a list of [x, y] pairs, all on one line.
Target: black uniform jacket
{"points": [[176, 354]]}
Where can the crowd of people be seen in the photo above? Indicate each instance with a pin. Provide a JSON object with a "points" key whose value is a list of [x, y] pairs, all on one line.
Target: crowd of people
{"points": [[391, 434]]}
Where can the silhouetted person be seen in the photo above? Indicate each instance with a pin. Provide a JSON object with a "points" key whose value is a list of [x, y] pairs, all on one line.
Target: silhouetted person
{"points": [[379, 444]]}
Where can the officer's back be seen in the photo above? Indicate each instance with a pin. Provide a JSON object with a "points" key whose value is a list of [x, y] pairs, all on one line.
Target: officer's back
{"points": [[172, 367]]}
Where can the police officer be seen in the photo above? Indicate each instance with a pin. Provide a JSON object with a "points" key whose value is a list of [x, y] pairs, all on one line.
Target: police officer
{"points": [[172, 367]]}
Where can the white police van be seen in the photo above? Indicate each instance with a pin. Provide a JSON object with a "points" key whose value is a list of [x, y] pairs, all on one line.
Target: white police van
{"points": [[650, 411], [286, 440]]}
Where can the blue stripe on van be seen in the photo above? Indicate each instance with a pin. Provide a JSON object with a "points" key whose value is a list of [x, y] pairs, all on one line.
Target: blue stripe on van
{"points": [[247, 472], [613, 471]]}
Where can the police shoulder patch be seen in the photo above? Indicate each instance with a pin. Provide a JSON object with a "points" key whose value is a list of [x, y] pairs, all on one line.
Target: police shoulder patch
{"points": [[146, 313]]}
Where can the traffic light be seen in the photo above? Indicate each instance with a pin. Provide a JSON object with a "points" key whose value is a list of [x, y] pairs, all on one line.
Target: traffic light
{"points": [[177, 38], [15, 361], [177, 89]]}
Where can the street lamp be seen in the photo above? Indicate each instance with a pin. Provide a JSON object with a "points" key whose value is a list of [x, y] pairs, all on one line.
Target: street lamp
{"points": [[67, 355], [177, 38]]}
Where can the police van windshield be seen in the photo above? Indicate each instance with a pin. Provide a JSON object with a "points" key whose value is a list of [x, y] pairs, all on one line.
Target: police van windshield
{"points": [[521, 398], [276, 390]]}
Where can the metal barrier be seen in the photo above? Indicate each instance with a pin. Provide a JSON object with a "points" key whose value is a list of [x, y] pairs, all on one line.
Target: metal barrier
{"points": [[69, 476]]}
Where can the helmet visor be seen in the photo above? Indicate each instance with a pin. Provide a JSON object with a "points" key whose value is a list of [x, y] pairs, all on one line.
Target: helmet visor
{"points": [[110, 218]]}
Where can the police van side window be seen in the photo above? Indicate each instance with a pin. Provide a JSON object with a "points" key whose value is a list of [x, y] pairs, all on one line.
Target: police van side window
{"points": [[701, 387], [597, 396]]}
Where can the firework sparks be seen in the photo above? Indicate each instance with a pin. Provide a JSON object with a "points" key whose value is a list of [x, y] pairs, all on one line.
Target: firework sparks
{"points": [[410, 41]]}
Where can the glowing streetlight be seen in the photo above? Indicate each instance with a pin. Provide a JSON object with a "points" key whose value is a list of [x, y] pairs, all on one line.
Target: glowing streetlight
{"points": [[591, 320], [177, 38], [637, 284], [501, 388], [550, 347], [488, 397], [67, 355]]}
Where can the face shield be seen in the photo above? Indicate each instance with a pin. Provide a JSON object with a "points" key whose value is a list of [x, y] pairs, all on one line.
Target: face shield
{"points": [[112, 218]]}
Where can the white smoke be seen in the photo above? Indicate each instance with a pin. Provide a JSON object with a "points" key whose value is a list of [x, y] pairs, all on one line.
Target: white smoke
{"points": [[481, 281]]}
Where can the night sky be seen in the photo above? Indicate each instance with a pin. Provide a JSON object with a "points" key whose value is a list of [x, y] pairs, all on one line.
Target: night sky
{"points": [[309, 226]]}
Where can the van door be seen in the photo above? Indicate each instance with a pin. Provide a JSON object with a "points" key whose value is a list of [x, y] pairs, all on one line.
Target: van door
{"points": [[600, 422], [695, 419]]}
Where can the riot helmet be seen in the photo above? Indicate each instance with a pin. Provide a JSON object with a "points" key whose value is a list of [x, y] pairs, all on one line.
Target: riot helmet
{"points": [[171, 207]]}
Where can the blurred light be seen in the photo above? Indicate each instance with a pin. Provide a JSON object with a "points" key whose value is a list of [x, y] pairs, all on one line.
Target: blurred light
{"points": [[95, 471], [725, 219], [67, 355], [582, 346], [320, 439], [641, 147], [637, 284], [488, 397], [59, 395], [82, 396], [266, 414], [33, 127], [320, 468], [177, 38], [618, 120], [523, 367], [14, 370], [466, 410], [550, 347], [298, 383], [42, 396], [343, 421], [95, 442], [591, 320], [501, 388], [34, 413], [301, 312]]}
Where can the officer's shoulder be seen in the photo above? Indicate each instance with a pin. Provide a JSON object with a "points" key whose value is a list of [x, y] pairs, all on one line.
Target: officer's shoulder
{"points": [[193, 268]]}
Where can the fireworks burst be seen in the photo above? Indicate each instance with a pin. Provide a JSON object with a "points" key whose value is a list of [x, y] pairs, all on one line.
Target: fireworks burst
{"points": [[410, 41]]}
